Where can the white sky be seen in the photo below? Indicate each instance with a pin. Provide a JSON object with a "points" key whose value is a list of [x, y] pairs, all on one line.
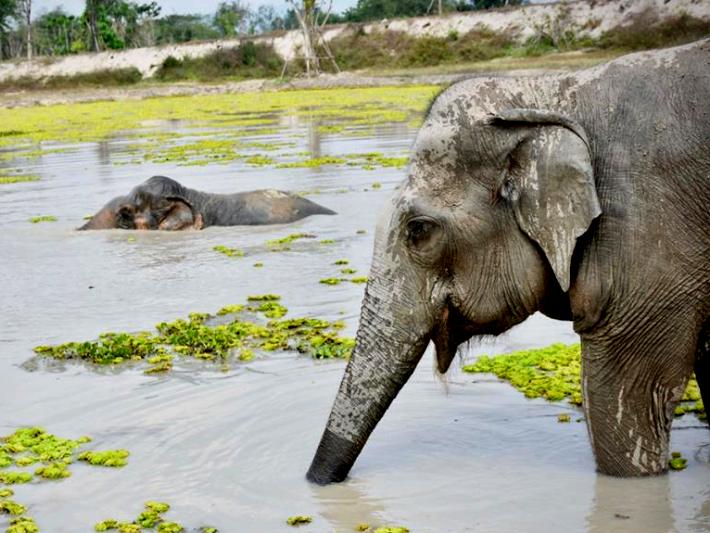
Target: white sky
{"points": [[170, 7]]}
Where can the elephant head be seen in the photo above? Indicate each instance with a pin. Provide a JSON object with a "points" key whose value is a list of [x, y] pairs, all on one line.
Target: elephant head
{"points": [[480, 235], [152, 205]]}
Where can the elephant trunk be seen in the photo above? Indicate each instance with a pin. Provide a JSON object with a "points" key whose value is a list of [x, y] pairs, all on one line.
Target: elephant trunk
{"points": [[387, 351]]}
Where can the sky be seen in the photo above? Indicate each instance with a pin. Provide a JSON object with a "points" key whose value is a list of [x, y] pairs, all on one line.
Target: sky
{"points": [[170, 7]]}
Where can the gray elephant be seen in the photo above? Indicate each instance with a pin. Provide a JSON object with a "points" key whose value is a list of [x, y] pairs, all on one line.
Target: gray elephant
{"points": [[161, 203], [585, 196]]}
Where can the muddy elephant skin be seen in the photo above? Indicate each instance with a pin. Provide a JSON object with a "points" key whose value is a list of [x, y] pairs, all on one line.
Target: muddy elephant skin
{"points": [[585, 196], [161, 203]]}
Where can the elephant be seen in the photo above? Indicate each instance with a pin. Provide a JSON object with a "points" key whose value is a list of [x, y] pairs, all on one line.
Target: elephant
{"points": [[584, 196], [161, 203]]}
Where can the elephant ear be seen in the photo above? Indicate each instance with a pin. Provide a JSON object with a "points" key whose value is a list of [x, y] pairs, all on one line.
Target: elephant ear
{"points": [[179, 214], [550, 184]]}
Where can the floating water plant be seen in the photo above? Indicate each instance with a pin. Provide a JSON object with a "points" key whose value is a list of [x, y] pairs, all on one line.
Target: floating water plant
{"points": [[392, 529], [235, 333], [43, 218], [359, 279], [376, 185], [553, 373], [150, 519], [330, 281], [677, 461], [564, 418], [283, 243], [348, 271], [342, 262], [299, 520], [258, 264], [229, 252], [6, 180], [54, 455]]}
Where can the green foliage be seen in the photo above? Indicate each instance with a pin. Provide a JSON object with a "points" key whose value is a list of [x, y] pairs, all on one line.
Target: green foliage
{"points": [[229, 17], [298, 520], [677, 461], [184, 28], [257, 325], [553, 373], [248, 60], [43, 218]]}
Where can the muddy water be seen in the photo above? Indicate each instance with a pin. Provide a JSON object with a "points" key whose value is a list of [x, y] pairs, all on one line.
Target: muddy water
{"points": [[231, 449]]}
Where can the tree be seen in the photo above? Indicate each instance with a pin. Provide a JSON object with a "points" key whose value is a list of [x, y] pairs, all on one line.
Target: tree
{"points": [[311, 18], [229, 18], [183, 28], [57, 33], [8, 8], [25, 15]]}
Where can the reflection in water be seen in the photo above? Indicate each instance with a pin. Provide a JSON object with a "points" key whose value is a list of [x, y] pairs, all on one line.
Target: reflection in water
{"points": [[631, 505], [345, 506]]}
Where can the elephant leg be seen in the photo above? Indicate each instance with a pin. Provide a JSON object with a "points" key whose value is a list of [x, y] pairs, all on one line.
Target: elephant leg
{"points": [[702, 367], [631, 385]]}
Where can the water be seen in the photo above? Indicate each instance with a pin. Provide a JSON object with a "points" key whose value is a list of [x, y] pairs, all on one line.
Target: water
{"points": [[231, 449]]}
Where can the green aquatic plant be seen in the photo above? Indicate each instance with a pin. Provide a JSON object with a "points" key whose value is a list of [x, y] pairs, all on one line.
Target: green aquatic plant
{"points": [[327, 241], [553, 373], [677, 461], [362, 527], [43, 218], [229, 252], [361, 232], [314, 162], [236, 332], [151, 518], [12, 477], [12, 507], [359, 279], [341, 262], [22, 524], [376, 185], [298, 520], [112, 458], [348, 271], [263, 298], [56, 470], [564, 418], [258, 264], [7, 180], [6, 493], [392, 529], [330, 281], [283, 243]]}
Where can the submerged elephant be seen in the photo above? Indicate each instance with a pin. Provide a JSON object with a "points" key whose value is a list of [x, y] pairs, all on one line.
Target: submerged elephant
{"points": [[161, 203], [584, 196]]}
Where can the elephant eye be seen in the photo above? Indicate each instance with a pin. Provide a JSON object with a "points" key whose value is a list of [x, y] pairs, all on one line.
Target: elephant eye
{"points": [[420, 231]]}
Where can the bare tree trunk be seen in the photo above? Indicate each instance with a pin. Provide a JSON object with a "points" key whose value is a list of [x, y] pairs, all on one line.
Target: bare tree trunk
{"points": [[26, 11], [93, 26], [440, 7]]}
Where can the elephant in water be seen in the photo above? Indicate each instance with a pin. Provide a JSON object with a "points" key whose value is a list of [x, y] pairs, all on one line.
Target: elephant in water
{"points": [[585, 196], [162, 203]]}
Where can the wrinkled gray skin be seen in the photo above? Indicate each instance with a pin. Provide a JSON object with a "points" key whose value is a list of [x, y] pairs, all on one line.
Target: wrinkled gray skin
{"points": [[161, 203], [584, 196]]}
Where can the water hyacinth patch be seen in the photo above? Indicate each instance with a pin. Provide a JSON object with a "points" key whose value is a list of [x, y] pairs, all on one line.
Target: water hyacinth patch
{"points": [[284, 243], [234, 334], [43, 218], [150, 519], [553, 373], [53, 456], [298, 520]]}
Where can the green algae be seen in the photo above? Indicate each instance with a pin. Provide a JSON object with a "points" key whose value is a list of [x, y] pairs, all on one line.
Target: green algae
{"points": [[564, 418], [330, 281], [392, 529], [283, 243], [151, 519], [263, 298], [43, 218], [359, 279], [219, 117], [298, 520], [22, 524], [12, 507], [30, 445], [7, 180], [677, 461], [342, 262], [229, 252], [553, 373], [327, 241], [258, 264], [111, 458], [348, 271], [235, 333]]}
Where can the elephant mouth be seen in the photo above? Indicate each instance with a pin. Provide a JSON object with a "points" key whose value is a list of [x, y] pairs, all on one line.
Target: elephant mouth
{"points": [[452, 330]]}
